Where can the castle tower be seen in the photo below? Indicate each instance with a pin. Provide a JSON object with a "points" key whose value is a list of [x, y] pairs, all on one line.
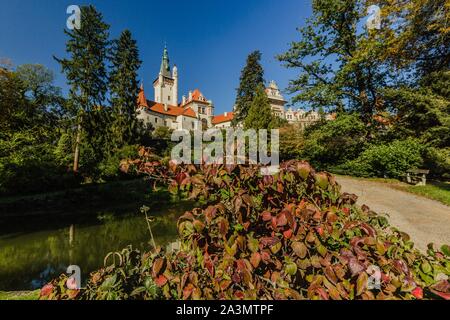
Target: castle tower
{"points": [[175, 85], [166, 85], [276, 100]]}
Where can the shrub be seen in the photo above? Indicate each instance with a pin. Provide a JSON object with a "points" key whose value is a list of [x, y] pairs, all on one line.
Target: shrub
{"points": [[288, 236], [390, 160], [334, 142], [438, 161], [109, 167]]}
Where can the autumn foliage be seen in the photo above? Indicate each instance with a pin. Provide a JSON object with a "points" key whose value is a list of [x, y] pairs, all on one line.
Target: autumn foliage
{"points": [[293, 235]]}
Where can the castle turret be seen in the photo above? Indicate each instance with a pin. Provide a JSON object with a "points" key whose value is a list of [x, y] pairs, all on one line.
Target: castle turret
{"points": [[166, 85], [175, 85]]}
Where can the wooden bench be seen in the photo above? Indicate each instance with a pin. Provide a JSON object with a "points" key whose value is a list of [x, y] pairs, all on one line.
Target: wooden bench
{"points": [[417, 177]]}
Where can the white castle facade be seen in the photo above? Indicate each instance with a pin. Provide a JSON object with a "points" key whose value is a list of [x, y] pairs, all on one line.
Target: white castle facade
{"points": [[195, 112]]}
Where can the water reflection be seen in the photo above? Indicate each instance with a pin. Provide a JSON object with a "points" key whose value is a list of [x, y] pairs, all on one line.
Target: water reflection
{"points": [[27, 261]]}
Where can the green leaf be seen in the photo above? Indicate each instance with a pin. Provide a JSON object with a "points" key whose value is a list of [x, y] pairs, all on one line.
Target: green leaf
{"points": [[361, 283], [426, 267], [446, 249]]}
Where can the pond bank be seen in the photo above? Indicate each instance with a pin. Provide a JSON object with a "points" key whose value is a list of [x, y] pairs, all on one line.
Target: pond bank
{"points": [[40, 236], [19, 295]]}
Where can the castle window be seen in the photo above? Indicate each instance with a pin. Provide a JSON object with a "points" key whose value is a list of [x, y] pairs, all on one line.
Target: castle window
{"points": [[168, 97], [193, 125], [156, 120]]}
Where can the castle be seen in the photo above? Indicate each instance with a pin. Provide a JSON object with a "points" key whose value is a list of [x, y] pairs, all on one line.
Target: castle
{"points": [[195, 112]]}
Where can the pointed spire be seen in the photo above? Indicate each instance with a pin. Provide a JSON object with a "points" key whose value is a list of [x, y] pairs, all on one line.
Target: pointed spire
{"points": [[142, 100], [165, 65]]}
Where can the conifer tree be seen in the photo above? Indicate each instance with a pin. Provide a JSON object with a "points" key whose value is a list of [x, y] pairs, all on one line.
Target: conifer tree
{"points": [[251, 77], [86, 74], [260, 113], [124, 88]]}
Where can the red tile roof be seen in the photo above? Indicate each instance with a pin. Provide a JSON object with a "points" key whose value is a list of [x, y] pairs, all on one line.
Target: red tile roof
{"points": [[223, 118], [188, 112], [197, 96], [142, 101], [171, 110], [159, 107]]}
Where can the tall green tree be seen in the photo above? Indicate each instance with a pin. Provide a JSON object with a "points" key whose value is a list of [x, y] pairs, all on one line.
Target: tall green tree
{"points": [[47, 103], [86, 73], [251, 77], [14, 108], [339, 65], [418, 34], [124, 88], [260, 113]]}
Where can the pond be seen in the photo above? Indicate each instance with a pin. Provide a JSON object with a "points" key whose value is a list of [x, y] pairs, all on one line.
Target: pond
{"points": [[38, 250]]}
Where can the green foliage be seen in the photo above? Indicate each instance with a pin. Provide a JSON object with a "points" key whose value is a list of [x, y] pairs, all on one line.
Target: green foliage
{"points": [[260, 113], [291, 142], [339, 66], [334, 142], [27, 164], [438, 160], [87, 76], [14, 108], [162, 133], [29, 120], [422, 112], [109, 168], [439, 191], [40, 90], [251, 77], [124, 89], [288, 236], [391, 160], [85, 68]]}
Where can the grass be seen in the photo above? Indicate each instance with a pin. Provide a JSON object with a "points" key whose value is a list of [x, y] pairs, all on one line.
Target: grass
{"points": [[435, 190], [19, 295]]}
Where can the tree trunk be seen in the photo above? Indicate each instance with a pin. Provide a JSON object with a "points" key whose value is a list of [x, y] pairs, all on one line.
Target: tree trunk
{"points": [[76, 157]]}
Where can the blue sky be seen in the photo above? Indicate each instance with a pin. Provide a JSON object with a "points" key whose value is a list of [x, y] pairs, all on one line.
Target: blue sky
{"points": [[209, 40]]}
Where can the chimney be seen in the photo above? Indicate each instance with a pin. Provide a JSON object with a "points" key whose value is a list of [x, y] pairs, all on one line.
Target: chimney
{"points": [[184, 100], [190, 95], [166, 107], [225, 114]]}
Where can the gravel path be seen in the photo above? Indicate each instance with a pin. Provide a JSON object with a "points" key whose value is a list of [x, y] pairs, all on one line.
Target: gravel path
{"points": [[423, 219]]}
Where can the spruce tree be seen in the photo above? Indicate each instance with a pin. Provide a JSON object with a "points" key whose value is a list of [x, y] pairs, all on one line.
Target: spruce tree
{"points": [[251, 77], [124, 88], [260, 113], [86, 74]]}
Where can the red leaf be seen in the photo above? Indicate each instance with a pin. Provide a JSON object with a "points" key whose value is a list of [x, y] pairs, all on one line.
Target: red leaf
{"points": [[417, 292], [287, 234], [266, 216], [187, 291], [161, 281], [281, 220], [157, 266], [255, 259], [46, 290], [268, 241]]}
